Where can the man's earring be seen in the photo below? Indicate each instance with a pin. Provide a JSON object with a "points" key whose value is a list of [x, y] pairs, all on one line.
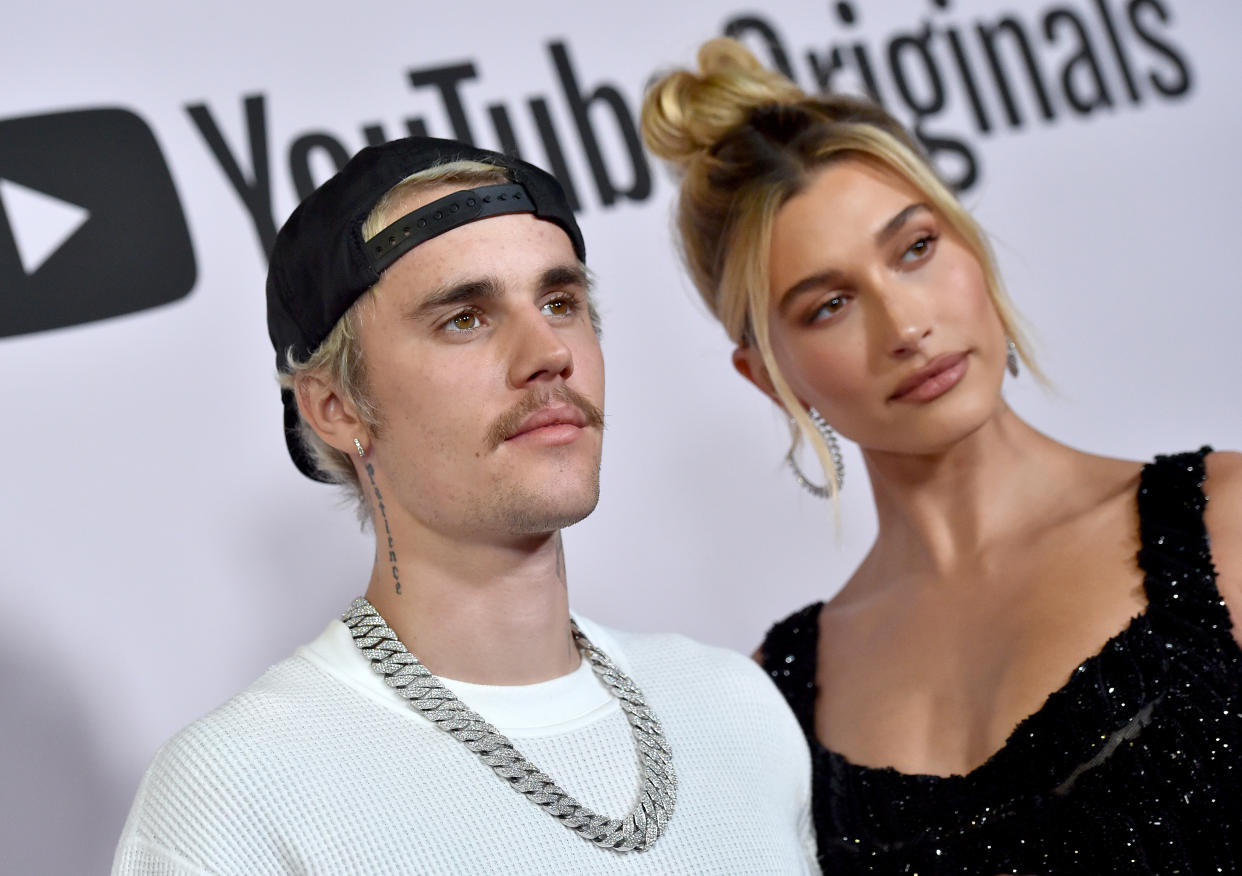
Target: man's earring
{"points": [[1011, 358], [834, 451], [361, 451]]}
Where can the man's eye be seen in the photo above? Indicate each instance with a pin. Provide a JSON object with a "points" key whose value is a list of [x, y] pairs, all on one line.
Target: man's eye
{"points": [[558, 307], [464, 322]]}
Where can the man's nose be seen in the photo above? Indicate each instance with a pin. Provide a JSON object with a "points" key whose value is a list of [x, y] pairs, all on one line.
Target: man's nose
{"points": [[539, 352]]}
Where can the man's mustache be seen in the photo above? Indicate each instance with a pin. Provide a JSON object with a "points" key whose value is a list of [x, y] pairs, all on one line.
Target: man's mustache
{"points": [[511, 420]]}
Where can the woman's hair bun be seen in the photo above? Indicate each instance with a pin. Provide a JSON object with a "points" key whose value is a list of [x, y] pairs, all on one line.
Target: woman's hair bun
{"points": [[685, 114]]}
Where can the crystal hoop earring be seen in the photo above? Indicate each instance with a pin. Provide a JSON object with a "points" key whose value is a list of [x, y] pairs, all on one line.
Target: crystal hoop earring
{"points": [[358, 445], [1011, 357], [834, 451]]}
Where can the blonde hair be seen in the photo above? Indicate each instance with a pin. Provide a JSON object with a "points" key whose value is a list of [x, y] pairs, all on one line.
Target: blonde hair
{"points": [[339, 360], [745, 140]]}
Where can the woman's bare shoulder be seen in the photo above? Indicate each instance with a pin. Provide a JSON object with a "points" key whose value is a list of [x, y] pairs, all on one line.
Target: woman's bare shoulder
{"points": [[1223, 487], [1227, 466], [1223, 517]]}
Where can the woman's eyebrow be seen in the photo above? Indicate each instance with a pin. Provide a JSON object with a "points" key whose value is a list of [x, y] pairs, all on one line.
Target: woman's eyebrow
{"points": [[808, 284], [828, 278], [894, 225]]}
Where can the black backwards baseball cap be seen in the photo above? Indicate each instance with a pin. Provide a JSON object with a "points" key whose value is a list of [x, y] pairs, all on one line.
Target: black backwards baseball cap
{"points": [[320, 264]]}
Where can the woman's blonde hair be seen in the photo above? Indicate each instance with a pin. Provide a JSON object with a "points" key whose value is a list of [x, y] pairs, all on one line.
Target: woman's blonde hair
{"points": [[339, 358], [745, 140]]}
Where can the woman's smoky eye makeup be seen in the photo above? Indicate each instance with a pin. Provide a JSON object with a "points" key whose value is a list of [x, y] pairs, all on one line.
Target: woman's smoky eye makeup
{"points": [[823, 309], [919, 239], [920, 247]]}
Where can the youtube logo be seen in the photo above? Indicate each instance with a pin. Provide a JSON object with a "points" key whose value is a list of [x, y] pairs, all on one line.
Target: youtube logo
{"points": [[90, 223]]}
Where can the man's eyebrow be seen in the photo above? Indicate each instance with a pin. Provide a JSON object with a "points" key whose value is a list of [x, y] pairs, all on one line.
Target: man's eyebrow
{"points": [[488, 288], [828, 278], [454, 294], [564, 275]]}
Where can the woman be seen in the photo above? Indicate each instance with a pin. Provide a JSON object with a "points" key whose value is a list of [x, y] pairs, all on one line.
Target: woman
{"points": [[863, 299]]}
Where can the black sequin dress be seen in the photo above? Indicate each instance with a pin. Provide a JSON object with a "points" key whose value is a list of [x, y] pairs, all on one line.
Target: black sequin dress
{"points": [[1133, 767]]}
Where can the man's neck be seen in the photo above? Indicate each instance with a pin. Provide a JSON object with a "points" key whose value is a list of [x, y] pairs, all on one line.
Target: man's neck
{"points": [[486, 612]]}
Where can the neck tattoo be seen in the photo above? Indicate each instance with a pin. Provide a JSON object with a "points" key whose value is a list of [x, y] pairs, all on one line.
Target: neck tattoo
{"points": [[427, 695], [392, 551]]}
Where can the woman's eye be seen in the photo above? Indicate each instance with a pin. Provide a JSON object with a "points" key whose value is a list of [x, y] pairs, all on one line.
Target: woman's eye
{"points": [[919, 249], [827, 309], [463, 322]]}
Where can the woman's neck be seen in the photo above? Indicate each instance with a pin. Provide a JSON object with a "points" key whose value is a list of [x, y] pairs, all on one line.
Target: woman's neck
{"points": [[942, 511]]}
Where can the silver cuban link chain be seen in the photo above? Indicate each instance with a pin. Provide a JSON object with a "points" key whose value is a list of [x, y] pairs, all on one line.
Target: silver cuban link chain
{"points": [[426, 694]]}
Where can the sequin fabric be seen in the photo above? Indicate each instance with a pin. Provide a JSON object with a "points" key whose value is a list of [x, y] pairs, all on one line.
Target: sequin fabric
{"points": [[1134, 766]]}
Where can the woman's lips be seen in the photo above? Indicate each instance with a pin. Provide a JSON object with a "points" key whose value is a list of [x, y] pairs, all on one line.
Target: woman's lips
{"points": [[934, 380]]}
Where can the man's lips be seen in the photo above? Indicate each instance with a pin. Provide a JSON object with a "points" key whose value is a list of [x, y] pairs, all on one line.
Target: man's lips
{"points": [[556, 415], [933, 380]]}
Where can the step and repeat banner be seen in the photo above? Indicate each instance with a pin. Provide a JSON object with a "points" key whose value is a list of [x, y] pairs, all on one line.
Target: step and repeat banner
{"points": [[160, 550]]}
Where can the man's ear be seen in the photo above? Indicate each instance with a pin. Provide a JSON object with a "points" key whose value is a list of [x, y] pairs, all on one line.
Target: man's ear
{"points": [[332, 417], [749, 363]]}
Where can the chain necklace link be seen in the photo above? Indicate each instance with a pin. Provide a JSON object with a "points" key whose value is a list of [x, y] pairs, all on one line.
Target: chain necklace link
{"points": [[426, 694]]}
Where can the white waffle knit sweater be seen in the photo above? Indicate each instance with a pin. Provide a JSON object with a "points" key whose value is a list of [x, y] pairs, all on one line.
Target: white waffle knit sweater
{"points": [[320, 768]]}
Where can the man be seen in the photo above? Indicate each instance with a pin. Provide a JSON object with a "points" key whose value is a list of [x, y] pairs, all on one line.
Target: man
{"points": [[430, 311]]}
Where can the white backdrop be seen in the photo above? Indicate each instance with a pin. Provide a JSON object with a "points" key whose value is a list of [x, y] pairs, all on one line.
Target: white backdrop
{"points": [[152, 522]]}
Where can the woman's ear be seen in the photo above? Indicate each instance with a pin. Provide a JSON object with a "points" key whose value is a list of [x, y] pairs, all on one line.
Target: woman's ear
{"points": [[332, 417], [749, 363]]}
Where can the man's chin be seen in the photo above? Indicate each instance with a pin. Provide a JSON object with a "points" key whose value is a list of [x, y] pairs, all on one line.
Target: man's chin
{"points": [[550, 513]]}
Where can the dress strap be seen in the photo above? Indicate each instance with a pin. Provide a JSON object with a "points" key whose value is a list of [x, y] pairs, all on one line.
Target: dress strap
{"points": [[1175, 552], [790, 653]]}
